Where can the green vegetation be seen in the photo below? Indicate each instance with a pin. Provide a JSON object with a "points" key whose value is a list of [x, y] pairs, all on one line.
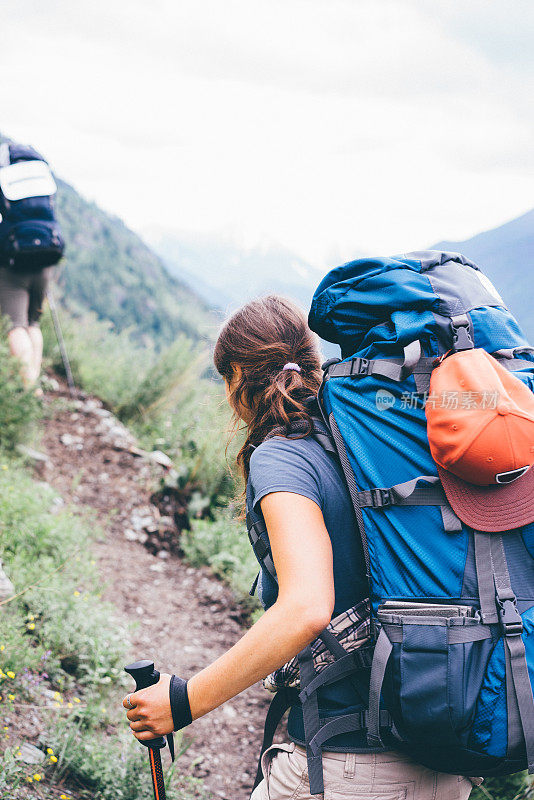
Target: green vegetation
{"points": [[510, 787], [18, 408], [61, 654], [170, 404], [60, 620], [223, 545], [164, 396]]}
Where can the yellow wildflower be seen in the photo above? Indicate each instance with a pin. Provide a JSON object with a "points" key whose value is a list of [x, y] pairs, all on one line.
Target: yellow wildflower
{"points": [[31, 617], [11, 697], [4, 466], [31, 626], [53, 759], [10, 674], [49, 751], [76, 699], [2, 647], [63, 797], [76, 593], [6, 728], [57, 695], [29, 779], [69, 705], [37, 776]]}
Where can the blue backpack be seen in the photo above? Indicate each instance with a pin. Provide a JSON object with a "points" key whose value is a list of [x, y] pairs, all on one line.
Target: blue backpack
{"points": [[452, 608], [30, 237]]}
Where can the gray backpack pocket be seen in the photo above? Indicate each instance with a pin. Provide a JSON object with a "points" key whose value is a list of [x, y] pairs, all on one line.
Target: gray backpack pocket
{"points": [[435, 668]]}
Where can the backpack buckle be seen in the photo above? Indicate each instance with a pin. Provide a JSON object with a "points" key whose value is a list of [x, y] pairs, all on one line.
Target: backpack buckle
{"points": [[327, 364], [360, 366], [381, 498], [461, 335], [511, 622]]}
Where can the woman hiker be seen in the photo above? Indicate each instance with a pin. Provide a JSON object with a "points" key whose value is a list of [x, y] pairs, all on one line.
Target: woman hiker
{"points": [[270, 363]]}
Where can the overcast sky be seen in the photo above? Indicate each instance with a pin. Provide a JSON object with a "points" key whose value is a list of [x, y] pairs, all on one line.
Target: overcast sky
{"points": [[329, 126]]}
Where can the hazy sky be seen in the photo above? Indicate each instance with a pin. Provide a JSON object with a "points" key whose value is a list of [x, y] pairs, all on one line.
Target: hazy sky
{"points": [[330, 126]]}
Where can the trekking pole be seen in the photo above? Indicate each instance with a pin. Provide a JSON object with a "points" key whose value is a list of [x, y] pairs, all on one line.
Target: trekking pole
{"points": [[144, 675], [61, 343]]}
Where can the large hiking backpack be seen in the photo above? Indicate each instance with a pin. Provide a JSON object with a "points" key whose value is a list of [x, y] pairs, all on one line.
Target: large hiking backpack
{"points": [[452, 607], [30, 237]]}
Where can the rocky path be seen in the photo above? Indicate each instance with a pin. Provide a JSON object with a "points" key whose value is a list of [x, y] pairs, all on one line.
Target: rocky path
{"points": [[186, 618]]}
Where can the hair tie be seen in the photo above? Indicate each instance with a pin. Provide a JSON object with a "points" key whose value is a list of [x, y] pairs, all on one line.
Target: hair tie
{"points": [[290, 365]]}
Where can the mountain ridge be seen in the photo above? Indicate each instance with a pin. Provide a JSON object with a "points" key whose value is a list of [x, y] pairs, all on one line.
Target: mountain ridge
{"points": [[501, 252], [110, 270], [227, 275]]}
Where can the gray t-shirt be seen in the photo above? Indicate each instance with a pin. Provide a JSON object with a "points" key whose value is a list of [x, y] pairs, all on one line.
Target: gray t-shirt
{"points": [[303, 467]]}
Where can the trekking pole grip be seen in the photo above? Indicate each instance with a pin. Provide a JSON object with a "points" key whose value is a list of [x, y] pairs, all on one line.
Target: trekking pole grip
{"points": [[144, 675]]}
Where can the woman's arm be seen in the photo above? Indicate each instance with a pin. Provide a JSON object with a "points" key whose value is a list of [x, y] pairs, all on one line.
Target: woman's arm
{"points": [[302, 554]]}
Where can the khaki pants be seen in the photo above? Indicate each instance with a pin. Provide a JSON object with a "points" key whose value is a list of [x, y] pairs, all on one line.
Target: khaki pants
{"points": [[353, 776]]}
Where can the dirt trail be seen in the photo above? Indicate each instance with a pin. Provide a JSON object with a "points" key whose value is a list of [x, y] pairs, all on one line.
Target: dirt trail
{"points": [[186, 617]]}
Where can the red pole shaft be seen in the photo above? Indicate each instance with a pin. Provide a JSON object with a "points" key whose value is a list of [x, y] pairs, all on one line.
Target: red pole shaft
{"points": [[157, 774]]}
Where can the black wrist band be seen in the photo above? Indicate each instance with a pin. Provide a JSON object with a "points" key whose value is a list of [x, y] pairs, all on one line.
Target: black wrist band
{"points": [[180, 709]]}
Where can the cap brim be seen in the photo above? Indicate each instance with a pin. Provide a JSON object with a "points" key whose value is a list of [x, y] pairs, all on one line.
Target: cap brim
{"points": [[491, 508]]}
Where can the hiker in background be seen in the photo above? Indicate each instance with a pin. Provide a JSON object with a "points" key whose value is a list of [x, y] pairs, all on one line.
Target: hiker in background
{"points": [[30, 244], [312, 575]]}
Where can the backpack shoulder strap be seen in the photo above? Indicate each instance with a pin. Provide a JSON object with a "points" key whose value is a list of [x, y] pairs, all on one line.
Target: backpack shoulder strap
{"points": [[257, 535], [256, 528]]}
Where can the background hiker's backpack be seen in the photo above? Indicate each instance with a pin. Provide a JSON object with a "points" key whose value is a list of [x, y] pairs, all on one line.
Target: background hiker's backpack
{"points": [[30, 237], [453, 608]]}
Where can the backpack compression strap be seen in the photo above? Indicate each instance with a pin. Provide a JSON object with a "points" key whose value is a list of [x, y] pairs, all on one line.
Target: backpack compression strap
{"points": [[421, 367], [410, 494], [498, 604]]}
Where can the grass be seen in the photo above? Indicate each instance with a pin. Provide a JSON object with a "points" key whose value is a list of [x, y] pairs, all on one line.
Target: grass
{"points": [[509, 787], [61, 657], [60, 614], [171, 403], [224, 546], [19, 409], [168, 398]]}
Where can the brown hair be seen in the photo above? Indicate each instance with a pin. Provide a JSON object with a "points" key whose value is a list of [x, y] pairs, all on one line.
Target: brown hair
{"points": [[260, 338]]}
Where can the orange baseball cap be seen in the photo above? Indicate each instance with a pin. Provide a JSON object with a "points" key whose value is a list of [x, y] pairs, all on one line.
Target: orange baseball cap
{"points": [[480, 422]]}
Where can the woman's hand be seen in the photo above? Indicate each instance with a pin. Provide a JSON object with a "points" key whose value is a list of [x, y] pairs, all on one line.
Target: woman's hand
{"points": [[151, 715]]}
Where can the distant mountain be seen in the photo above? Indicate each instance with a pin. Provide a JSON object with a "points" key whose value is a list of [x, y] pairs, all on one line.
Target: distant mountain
{"points": [[226, 275], [506, 255], [111, 271]]}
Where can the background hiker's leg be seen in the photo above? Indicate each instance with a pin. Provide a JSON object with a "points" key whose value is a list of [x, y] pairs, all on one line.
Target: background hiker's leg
{"points": [[36, 338], [21, 347], [37, 293]]}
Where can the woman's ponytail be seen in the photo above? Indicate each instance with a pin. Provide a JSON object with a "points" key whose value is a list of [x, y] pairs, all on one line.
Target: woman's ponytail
{"points": [[271, 360]]}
